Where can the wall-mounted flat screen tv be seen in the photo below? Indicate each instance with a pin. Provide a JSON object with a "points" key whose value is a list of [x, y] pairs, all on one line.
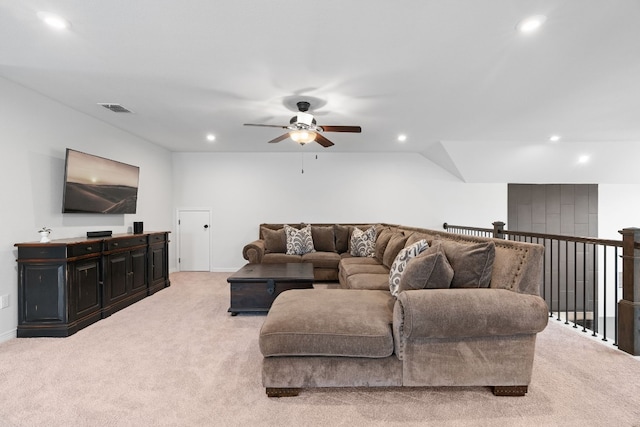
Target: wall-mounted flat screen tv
{"points": [[94, 184]]}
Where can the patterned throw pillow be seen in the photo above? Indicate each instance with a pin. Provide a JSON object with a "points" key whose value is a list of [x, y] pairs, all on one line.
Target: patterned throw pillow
{"points": [[363, 243], [398, 266], [299, 242]]}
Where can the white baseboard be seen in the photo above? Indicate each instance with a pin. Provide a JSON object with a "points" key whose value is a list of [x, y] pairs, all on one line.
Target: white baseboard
{"points": [[9, 335]]}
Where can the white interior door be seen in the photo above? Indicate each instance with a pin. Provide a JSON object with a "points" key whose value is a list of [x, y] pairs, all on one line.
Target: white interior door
{"points": [[194, 240]]}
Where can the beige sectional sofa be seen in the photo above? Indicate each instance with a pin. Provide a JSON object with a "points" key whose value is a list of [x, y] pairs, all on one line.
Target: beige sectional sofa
{"points": [[331, 244], [464, 312]]}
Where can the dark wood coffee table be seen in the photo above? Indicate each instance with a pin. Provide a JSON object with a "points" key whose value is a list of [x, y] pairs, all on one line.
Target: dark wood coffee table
{"points": [[255, 286]]}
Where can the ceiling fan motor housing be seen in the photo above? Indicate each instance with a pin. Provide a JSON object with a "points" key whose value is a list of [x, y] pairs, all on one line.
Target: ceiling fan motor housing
{"points": [[303, 119]]}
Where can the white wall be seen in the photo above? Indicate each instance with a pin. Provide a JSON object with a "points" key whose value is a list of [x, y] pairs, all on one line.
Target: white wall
{"points": [[618, 208], [244, 190], [34, 133]]}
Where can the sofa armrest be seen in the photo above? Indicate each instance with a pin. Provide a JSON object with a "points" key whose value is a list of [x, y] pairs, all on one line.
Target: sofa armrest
{"points": [[456, 313], [254, 251]]}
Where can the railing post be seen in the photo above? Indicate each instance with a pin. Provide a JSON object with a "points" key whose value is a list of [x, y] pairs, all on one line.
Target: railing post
{"points": [[629, 305], [498, 229]]}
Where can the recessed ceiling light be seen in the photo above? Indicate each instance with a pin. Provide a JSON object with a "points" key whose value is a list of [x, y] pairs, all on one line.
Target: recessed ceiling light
{"points": [[583, 159], [211, 137], [554, 138], [402, 137], [531, 24], [54, 21]]}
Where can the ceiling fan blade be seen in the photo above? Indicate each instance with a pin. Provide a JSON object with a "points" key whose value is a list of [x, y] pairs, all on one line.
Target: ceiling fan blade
{"points": [[356, 129], [320, 139], [280, 138], [267, 126]]}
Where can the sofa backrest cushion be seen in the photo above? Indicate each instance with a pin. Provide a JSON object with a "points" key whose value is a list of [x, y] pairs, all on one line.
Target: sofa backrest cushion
{"points": [[275, 241], [342, 233], [396, 243], [324, 238], [382, 240], [415, 236], [472, 263], [429, 270]]}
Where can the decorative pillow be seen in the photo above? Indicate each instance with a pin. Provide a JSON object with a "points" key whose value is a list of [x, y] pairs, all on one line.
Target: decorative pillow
{"points": [[299, 242], [363, 243], [429, 270], [396, 243], [398, 266], [323, 238], [472, 263], [274, 240]]}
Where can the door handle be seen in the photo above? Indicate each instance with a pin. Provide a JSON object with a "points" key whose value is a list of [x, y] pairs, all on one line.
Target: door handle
{"points": [[206, 226]]}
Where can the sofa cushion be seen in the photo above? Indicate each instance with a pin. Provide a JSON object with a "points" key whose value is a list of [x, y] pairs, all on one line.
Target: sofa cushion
{"points": [[378, 281], [382, 240], [324, 239], [400, 263], [329, 322], [416, 236], [363, 243], [472, 263], [396, 243], [429, 270], [358, 260], [322, 259], [299, 242], [342, 233], [280, 258], [274, 240], [349, 269]]}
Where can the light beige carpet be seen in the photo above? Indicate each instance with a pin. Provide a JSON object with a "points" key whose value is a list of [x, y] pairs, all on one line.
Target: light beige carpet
{"points": [[178, 358]]}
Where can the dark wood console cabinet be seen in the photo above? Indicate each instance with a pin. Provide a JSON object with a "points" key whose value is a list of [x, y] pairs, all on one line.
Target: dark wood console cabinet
{"points": [[68, 284]]}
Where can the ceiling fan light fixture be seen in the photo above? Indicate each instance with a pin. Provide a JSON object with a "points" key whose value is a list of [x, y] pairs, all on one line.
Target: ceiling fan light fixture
{"points": [[302, 136]]}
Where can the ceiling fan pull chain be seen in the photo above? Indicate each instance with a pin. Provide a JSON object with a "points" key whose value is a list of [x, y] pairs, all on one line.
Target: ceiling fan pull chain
{"points": [[302, 161]]}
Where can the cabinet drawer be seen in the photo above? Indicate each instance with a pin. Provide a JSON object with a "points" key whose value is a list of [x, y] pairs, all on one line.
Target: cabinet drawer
{"points": [[157, 238], [84, 249], [42, 252], [115, 244]]}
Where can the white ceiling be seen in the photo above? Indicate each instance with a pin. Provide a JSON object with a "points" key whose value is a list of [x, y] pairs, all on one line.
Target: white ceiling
{"points": [[470, 92]]}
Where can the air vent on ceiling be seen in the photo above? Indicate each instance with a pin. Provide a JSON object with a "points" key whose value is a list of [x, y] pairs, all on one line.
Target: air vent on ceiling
{"points": [[116, 108]]}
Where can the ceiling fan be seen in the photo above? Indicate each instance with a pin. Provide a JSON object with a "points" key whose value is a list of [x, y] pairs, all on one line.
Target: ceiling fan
{"points": [[303, 128]]}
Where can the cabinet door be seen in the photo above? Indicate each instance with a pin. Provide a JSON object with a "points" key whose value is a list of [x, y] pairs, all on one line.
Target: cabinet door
{"points": [[116, 274], [85, 285], [43, 293], [157, 254], [138, 273]]}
